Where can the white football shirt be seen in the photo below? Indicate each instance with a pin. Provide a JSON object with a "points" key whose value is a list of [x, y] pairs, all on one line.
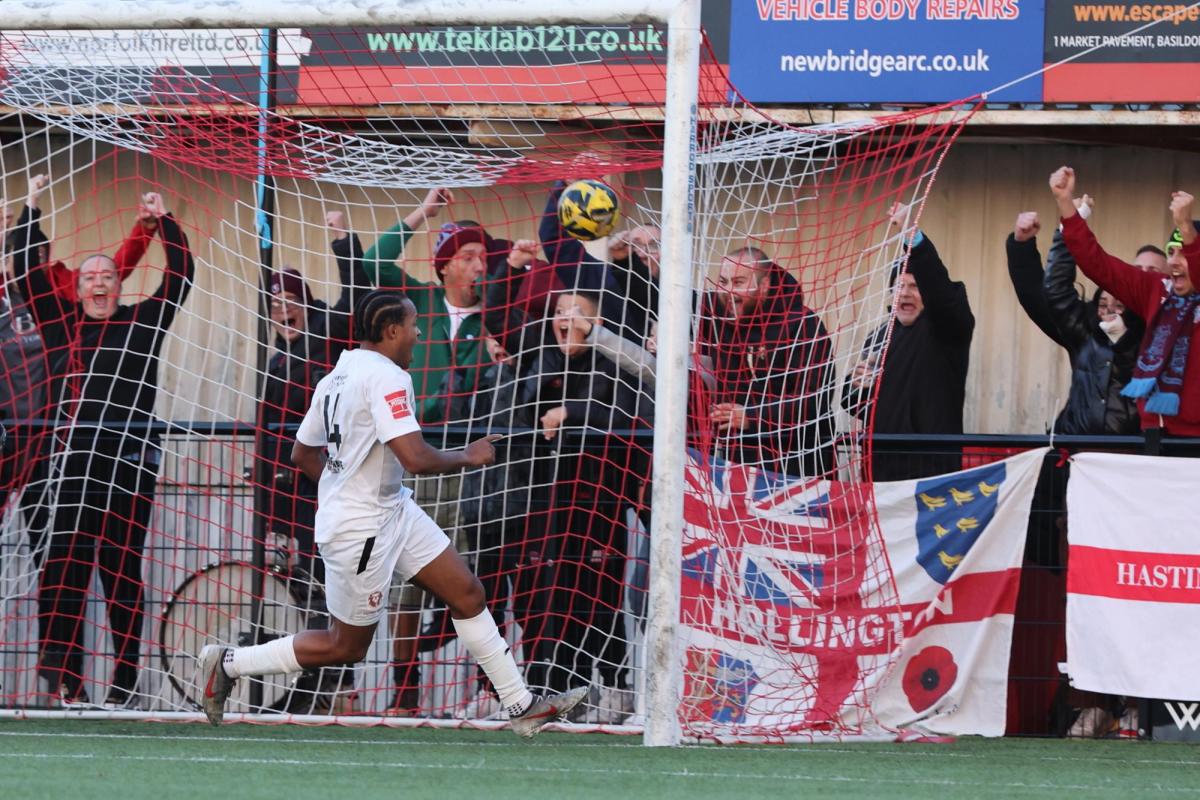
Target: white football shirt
{"points": [[364, 403]]}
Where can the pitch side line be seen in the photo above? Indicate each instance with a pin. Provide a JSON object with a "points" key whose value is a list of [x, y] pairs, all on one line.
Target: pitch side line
{"points": [[478, 766], [816, 750]]}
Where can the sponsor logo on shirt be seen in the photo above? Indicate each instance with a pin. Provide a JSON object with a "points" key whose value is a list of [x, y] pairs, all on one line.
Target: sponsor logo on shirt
{"points": [[398, 403]]}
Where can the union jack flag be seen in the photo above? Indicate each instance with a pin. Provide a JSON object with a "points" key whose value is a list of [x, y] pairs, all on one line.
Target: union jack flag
{"points": [[766, 556]]}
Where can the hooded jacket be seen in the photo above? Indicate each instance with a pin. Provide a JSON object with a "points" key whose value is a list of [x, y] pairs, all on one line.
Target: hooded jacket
{"points": [[777, 364]]}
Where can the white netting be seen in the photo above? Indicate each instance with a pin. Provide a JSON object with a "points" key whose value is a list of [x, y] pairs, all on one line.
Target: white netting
{"points": [[557, 530]]}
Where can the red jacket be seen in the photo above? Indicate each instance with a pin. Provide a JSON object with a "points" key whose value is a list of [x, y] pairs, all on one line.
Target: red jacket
{"points": [[1143, 292], [64, 280]]}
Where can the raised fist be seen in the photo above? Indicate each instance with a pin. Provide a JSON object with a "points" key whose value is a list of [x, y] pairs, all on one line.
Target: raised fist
{"points": [[435, 200], [1027, 227], [523, 252], [37, 185], [1062, 183], [1181, 211], [153, 202]]}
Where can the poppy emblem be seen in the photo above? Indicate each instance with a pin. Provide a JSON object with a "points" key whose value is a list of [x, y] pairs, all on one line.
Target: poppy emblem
{"points": [[928, 676]]}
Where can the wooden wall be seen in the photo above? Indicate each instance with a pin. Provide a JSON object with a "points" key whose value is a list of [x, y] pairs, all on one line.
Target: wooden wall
{"points": [[1018, 379]]}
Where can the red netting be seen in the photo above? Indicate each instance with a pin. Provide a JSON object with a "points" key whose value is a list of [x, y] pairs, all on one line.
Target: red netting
{"points": [[152, 503]]}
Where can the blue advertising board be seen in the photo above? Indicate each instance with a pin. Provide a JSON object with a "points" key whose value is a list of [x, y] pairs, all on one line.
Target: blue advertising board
{"points": [[878, 51]]}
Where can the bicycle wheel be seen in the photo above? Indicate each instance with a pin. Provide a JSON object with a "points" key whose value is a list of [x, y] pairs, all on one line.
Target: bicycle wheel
{"points": [[215, 606]]}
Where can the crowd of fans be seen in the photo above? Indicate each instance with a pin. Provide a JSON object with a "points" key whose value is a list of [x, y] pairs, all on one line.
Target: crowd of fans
{"points": [[542, 340]]}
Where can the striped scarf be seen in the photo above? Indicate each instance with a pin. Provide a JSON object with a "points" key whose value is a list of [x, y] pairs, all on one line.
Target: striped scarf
{"points": [[1158, 375]]}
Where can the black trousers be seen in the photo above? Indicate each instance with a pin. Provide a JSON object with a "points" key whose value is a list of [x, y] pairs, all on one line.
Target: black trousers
{"points": [[288, 504], [104, 498], [24, 469], [584, 571]]}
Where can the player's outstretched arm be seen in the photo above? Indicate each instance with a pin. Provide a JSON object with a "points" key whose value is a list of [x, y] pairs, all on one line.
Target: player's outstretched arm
{"points": [[418, 458]]}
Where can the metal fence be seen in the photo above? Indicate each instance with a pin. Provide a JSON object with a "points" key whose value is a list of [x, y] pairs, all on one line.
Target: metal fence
{"points": [[205, 515]]}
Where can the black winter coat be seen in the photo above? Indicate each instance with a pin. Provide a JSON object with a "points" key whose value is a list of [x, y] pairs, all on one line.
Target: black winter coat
{"points": [[923, 383], [105, 371], [1099, 368], [295, 368]]}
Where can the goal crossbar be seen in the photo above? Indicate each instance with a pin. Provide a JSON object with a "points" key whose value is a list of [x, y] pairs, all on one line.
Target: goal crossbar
{"points": [[132, 14]]}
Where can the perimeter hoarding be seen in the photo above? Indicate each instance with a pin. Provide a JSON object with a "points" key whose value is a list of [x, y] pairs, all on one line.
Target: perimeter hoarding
{"points": [[870, 51]]}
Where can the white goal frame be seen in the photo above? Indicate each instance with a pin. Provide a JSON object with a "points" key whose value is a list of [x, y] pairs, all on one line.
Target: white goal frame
{"points": [[663, 667]]}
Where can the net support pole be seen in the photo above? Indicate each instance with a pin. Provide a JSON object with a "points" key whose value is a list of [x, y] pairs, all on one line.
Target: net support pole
{"points": [[264, 222], [664, 668]]}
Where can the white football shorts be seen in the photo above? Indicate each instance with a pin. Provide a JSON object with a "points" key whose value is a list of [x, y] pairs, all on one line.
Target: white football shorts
{"points": [[358, 572]]}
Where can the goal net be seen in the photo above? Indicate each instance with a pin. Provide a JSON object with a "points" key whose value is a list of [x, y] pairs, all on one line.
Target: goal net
{"points": [[157, 366]]}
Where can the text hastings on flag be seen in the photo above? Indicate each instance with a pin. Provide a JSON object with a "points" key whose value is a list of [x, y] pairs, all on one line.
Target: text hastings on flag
{"points": [[1133, 576]]}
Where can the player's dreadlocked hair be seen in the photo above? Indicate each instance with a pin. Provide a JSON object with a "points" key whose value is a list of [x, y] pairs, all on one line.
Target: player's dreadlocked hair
{"points": [[376, 311]]}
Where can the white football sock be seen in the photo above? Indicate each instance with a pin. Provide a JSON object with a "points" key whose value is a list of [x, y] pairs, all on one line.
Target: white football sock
{"points": [[483, 639], [276, 657]]}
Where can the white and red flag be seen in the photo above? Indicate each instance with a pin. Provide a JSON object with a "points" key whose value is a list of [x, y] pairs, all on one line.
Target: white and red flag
{"points": [[1133, 575], [803, 617]]}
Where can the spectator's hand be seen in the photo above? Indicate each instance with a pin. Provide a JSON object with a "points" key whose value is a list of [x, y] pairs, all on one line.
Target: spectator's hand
{"points": [[336, 222], [522, 254], [500, 354], [552, 420], [153, 202], [1027, 226], [898, 215], [145, 217], [37, 185], [435, 200], [729, 416], [579, 322], [863, 376], [1062, 184], [481, 452], [618, 246], [1181, 213], [1084, 205], [6, 218]]}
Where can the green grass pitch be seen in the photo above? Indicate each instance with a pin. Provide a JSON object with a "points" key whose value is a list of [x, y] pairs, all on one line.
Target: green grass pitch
{"points": [[81, 760]]}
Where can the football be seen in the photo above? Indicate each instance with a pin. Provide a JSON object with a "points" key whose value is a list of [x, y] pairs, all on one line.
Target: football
{"points": [[588, 210]]}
